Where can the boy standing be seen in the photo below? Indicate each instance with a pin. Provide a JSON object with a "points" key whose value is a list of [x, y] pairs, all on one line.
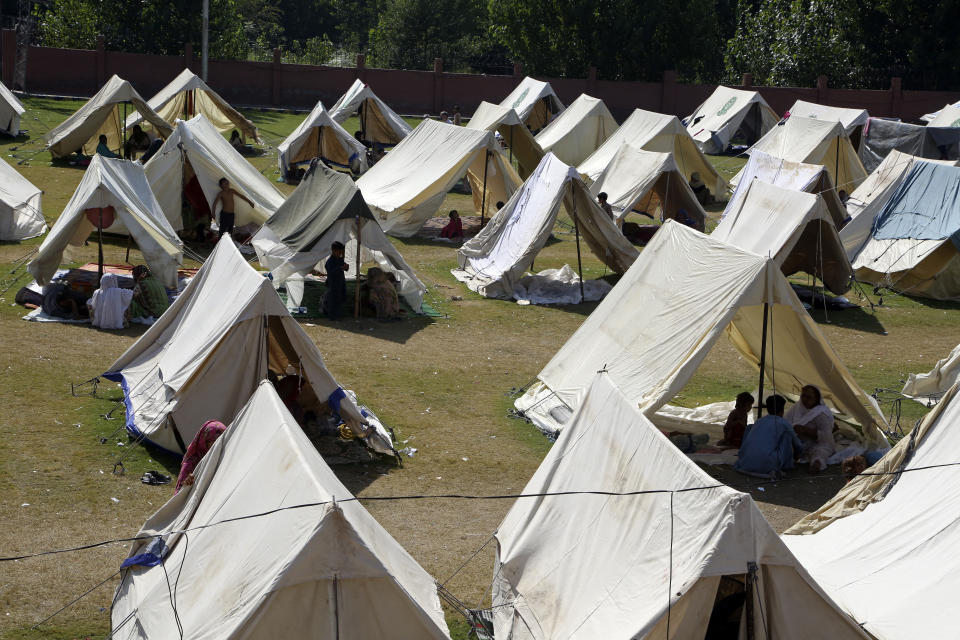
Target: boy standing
{"points": [[228, 213], [335, 267]]}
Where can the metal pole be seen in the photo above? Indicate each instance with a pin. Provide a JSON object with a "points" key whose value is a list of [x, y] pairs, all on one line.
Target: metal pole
{"points": [[356, 297], [100, 244], [336, 607], [763, 358], [483, 197], [748, 603], [576, 231], [205, 38], [129, 241], [511, 144]]}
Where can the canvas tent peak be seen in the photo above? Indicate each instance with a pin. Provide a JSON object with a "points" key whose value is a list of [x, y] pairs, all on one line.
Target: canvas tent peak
{"points": [[535, 102], [655, 559], [851, 119], [206, 354], [493, 262], [103, 114], [728, 113], [929, 387], [115, 193], [408, 185], [881, 136], [325, 208], [11, 109], [513, 133], [196, 150], [578, 130], [320, 136], [662, 133], [707, 287], [188, 95], [949, 116], [254, 562], [378, 122], [651, 182], [21, 216], [794, 227], [889, 527]]}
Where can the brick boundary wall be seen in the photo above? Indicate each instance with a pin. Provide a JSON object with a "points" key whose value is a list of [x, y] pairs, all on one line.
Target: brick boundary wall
{"points": [[81, 73]]}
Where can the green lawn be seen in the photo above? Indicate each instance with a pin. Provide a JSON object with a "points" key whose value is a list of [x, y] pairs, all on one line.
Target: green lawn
{"points": [[442, 384]]}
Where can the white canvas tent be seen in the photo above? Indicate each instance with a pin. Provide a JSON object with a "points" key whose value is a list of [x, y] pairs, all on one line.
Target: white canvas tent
{"points": [[535, 102], [325, 208], [513, 133], [103, 114], [795, 228], [656, 550], [187, 96], [378, 122], [664, 315], [20, 214], [931, 386], [11, 109], [578, 131], [493, 262], [822, 142], [319, 136], [206, 354], [884, 547], [408, 185], [326, 571], [662, 133], [727, 113], [121, 185], [949, 116], [851, 119], [196, 149], [646, 181]]}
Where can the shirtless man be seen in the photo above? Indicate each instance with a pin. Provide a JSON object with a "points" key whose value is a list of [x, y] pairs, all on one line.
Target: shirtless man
{"points": [[228, 213]]}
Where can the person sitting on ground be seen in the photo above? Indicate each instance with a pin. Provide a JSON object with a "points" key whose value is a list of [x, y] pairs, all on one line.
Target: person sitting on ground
{"points": [[445, 118], [769, 445], [457, 118], [228, 214], [149, 295], [151, 150], [103, 149], [138, 141], [812, 420], [335, 267], [60, 301], [736, 423], [700, 189], [383, 295], [237, 142], [454, 229], [202, 443], [110, 305]]}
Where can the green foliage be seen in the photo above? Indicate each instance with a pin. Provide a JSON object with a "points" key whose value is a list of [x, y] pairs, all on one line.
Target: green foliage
{"points": [[71, 24]]}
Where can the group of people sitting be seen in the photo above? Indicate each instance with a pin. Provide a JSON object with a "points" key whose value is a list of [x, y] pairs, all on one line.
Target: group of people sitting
{"points": [[138, 144], [110, 306]]}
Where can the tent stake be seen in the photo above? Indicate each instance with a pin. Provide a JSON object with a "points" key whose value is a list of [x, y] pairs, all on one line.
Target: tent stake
{"points": [[356, 297], [483, 197], [763, 358], [576, 232]]}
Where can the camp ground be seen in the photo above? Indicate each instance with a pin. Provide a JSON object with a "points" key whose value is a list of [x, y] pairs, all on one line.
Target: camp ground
{"points": [[406, 187], [320, 136], [187, 96], [325, 208], [729, 115], [514, 134], [578, 131], [881, 137], [103, 114], [378, 123], [11, 110], [328, 570], [494, 263], [535, 102], [21, 214]]}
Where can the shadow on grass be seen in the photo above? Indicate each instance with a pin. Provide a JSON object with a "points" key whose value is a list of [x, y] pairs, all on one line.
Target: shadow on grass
{"points": [[399, 331], [798, 490], [858, 319]]}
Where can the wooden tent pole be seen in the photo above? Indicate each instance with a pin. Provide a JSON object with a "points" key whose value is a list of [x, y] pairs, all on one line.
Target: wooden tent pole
{"points": [[129, 242], [483, 196], [576, 231], [356, 297], [511, 143], [763, 358], [100, 244]]}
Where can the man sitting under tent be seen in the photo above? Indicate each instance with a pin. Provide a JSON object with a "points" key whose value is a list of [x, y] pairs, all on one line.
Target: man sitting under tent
{"points": [[138, 141], [150, 298], [769, 445]]}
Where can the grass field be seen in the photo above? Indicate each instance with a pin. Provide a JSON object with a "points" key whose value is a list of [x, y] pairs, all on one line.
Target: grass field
{"points": [[443, 384]]}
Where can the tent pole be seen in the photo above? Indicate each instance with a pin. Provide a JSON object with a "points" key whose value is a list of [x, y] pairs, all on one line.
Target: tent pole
{"points": [[123, 131], [336, 608], [511, 144], [100, 244], [763, 358], [748, 602], [129, 241], [483, 196], [356, 297], [576, 231]]}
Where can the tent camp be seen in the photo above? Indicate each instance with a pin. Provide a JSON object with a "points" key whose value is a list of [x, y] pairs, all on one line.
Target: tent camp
{"points": [[657, 132], [494, 261], [823, 142], [664, 315], [20, 213], [851, 119], [880, 137], [535, 102], [103, 114], [187, 96], [931, 386], [190, 164], [646, 181], [578, 131], [206, 354], [949, 116], [796, 229], [520, 142], [325, 208], [378, 122], [666, 547], [261, 564], [319, 136], [729, 113], [408, 185], [10, 111], [113, 193], [892, 531], [911, 247]]}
